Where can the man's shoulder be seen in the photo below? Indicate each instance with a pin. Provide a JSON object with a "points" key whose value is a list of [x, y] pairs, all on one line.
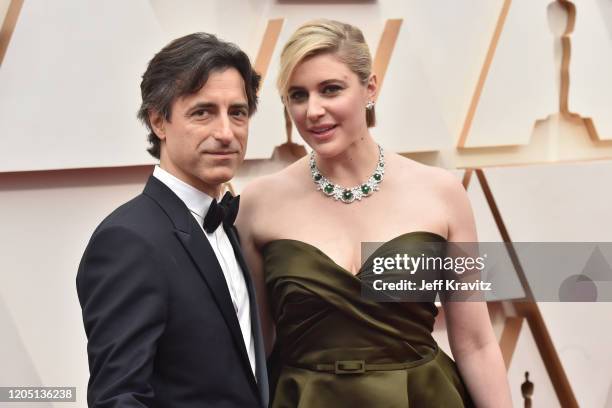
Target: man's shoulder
{"points": [[137, 226], [131, 211], [141, 215]]}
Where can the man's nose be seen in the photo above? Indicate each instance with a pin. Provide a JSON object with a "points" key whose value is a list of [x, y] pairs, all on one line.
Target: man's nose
{"points": [[314, 109], [223, 131]]}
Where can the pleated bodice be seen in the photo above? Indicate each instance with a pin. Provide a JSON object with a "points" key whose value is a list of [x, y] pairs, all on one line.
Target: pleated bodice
{"points": [[335, 347]]}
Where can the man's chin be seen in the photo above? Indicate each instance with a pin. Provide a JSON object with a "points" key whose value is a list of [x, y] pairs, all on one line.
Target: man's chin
{"points": [[218, 177]]}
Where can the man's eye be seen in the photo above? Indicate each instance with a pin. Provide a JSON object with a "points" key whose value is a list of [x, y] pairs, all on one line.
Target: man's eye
{"points": [[200, 113], [240, 113]]}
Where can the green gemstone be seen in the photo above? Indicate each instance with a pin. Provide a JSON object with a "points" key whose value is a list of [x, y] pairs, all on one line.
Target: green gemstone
{"points": [[377, 176], [313, 165], [329, 188], [382, 164], [317, 177], [347, 194], [365, 189]]}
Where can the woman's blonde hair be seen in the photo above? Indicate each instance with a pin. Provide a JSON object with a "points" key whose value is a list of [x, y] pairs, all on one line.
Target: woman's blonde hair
{"points": [[327, 36]]}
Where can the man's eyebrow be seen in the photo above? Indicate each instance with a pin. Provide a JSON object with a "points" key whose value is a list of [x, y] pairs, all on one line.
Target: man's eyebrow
{"points": [[212, 105], [202, 105], [240, 105]]}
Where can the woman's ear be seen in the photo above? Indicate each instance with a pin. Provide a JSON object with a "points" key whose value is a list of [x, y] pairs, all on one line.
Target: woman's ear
{"points": [[372, 87], [157, 122]]}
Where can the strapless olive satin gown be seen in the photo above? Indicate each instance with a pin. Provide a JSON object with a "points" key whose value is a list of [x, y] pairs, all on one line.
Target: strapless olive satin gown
{"points": [[335, 348]]}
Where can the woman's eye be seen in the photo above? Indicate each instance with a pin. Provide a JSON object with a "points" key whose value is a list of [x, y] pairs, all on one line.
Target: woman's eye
{"points": [[331, 89], [297, 96]]}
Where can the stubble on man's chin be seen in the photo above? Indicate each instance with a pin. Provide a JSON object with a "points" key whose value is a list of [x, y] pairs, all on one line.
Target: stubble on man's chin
{"points": [[217, 179]]}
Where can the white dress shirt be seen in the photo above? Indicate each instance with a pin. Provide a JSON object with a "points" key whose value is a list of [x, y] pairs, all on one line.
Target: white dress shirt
{"points": [[198, 203]]}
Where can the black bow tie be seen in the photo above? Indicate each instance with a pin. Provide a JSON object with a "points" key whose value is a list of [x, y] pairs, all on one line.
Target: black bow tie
{"points": [[223, 212]]}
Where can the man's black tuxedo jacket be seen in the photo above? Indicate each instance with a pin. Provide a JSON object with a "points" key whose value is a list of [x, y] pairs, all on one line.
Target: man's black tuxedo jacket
{"points": [[161, 327]]}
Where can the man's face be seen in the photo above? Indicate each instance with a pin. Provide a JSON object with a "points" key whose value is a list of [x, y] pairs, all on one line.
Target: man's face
{"points": [[205, 140]]}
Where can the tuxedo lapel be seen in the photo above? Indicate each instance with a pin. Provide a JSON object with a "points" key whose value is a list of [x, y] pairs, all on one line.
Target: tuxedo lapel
{"points": [[204, 257], [260, 353], [197, 246]]}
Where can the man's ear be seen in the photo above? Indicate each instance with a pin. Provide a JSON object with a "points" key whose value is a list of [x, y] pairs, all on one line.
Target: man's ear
{"points": [[157, 122]]}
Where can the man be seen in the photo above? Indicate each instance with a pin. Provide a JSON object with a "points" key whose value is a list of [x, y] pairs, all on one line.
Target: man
{"points": [[168, 304]]}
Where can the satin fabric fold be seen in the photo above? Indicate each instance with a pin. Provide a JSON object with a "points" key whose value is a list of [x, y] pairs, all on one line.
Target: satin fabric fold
{"points": [[321, 318]]}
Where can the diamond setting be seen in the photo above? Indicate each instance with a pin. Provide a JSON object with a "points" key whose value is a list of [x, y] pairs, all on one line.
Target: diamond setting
{"points": [[352, 194]]}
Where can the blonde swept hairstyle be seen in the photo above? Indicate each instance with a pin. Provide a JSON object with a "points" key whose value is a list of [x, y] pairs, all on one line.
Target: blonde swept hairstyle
{"points": [[327, 36]]}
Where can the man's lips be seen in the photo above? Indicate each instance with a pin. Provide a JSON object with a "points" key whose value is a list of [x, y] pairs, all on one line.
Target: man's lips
{"points": [[221, 154]]}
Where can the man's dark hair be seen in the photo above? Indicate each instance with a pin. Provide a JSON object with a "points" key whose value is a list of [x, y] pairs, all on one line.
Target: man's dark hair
{"points": [[182, 67]]}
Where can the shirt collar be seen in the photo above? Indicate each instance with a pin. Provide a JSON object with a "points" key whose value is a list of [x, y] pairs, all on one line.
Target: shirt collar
{"points": [[197, 201]]}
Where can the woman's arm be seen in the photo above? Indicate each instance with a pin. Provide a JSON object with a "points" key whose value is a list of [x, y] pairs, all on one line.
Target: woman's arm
{"points": [[246, 225], [473, 343]]}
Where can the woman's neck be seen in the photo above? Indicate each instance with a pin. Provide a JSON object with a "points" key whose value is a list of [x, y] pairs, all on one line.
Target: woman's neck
{"points": [[353, 166]]}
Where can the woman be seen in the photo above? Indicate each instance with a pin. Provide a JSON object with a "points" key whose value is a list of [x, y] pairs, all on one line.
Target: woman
{"points": [[301, 232]]}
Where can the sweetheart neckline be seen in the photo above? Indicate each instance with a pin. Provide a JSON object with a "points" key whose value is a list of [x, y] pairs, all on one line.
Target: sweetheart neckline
{"points": [[360, 270]]}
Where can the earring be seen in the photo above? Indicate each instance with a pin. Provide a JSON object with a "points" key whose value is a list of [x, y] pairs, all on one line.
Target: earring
{"points": [[370, 105]]}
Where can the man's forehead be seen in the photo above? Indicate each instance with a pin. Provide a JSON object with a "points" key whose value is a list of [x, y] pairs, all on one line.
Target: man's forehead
{"points": [[227, 84], [215, 96], [228, 79]]}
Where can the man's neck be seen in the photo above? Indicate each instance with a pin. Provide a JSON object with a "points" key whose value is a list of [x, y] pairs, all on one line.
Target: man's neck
{"points": [[213, 190]]}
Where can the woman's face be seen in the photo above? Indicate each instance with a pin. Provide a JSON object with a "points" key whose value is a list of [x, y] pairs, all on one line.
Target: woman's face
{"points": [[327, 103]]}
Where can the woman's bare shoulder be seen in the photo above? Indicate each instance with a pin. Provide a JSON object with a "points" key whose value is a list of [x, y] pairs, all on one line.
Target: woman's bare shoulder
{"points": [[441, 189], [262, 199], [440, 179], [270, 187]]}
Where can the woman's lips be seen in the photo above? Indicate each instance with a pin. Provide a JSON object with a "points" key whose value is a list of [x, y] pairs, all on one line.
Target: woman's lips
{"points": [[323, 132]]}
